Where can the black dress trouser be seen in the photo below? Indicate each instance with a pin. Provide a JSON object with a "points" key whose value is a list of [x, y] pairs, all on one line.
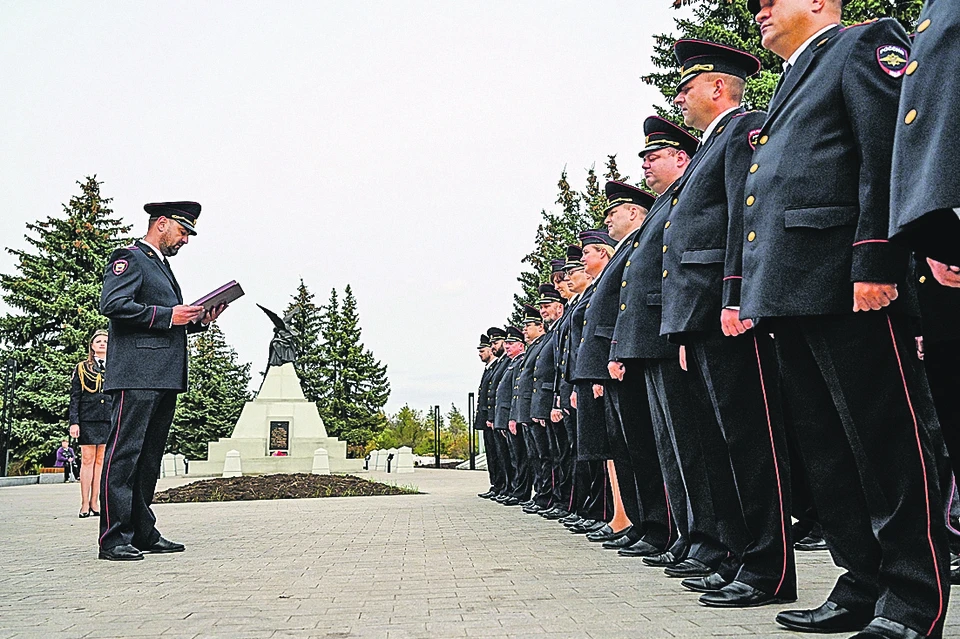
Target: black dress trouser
{"points": [[131, 467], [503, 459], [858, 397], [561, 456], [740, 378], [498, 476], [522, 477]]}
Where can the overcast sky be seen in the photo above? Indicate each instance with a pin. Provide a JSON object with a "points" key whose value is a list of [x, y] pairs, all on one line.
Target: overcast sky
{"points": [[403, 147]]}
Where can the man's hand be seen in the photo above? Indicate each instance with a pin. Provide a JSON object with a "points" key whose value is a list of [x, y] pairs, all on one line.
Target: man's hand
{"points": [[946, 275], [597, 391], [870, 296], [730, 322], [489, 424], [75, 430], [213, 314], [920, 347], [573, 399], [183, 314], [556, 416], [683, 357], [616, 370], [512, 426]]}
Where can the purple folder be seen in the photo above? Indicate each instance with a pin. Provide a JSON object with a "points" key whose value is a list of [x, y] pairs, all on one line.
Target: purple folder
{"points": [[223, 295]]}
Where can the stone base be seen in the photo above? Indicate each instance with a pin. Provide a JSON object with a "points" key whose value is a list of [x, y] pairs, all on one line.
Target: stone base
{"points": [[254, 462]]}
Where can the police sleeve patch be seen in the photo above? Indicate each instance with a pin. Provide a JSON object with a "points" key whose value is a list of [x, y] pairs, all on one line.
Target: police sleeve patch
{"points": [[119, 267], [892, 59]]}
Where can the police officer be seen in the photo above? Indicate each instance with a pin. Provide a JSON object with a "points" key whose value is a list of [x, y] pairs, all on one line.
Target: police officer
{"points": [[494, 470], [702, 244], [534, 434], [679, 406], [148, 368], [925, 194], [816, 260], [520, 477], [500, 452]]}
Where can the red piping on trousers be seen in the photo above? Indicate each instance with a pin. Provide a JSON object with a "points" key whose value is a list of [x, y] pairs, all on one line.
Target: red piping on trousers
{"points": [[106, 479], [923, 469], [666, 496], [776, 467]]}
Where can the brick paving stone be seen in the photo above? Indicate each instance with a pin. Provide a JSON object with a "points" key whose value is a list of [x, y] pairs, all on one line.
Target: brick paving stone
{"points": [[441, 564]]}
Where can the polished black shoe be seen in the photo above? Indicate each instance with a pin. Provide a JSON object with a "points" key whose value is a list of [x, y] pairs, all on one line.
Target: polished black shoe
{"points": [[84, 515], [689, 567], [955, 575], [527, 503], [811, 543], [881, 628], [533, 509], [662, 560], [710, 583], [586, 526], [124, 552], [640, 548], [737, 594], [511, 501], [570, 519], [487, 495], [606, 533], [827, 618], [162, 546], [555, 514], [622, 542], [500, 498]]}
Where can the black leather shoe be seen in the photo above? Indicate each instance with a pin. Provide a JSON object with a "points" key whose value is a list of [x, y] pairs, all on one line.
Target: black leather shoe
{"points": [[124, 552], [572, 522], [827, 618], [710, 583], [500, 498], [881, 628], [811, 543], [555, 514], [532, 509], [627, 540], [689, 567], [84, 515], [487, 495], [606, 533], [955, 575], [737, 594], [640, 549], [662, 560], [162, 546], [527, 503], [570, 519], [511, 501], [586, 526]]}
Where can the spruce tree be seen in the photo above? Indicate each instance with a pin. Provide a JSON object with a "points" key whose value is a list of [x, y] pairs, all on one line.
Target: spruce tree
{"points": [[55, 297], [306, 320], [217, 392], [731, 23], [355, 386]]}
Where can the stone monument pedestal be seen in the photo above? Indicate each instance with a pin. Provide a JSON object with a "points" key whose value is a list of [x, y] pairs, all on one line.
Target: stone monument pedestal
{"points": [[278, 432]]}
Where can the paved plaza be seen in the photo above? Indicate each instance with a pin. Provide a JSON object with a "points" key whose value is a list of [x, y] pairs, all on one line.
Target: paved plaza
{"points": [[441, 564]]}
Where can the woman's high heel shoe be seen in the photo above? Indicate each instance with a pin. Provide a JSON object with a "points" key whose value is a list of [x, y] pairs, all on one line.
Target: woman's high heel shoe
{"points": [[84, 515]]}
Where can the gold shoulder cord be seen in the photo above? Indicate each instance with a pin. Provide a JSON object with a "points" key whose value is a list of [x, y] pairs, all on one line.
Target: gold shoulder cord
{"points": [[86, 377]]}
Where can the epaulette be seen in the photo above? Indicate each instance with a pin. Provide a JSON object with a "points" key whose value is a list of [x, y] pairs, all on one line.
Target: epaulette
{"points": [[860, 24], [740, 115], [132, 247]]}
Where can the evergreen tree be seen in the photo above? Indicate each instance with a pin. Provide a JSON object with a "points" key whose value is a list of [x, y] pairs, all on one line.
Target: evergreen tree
{"points": [[455, 437], [217, 392], [306, 320], [55, 297], [355, 386], [731, 23], [409, 427]]}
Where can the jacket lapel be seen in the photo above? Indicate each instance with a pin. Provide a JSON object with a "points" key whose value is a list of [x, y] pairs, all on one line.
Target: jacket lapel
{"points": [[702, 151], [797, 72], [167, 272]]}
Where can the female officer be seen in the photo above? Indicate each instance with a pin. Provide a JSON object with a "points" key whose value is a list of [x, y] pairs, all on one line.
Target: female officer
{"points": [[90, 410]]}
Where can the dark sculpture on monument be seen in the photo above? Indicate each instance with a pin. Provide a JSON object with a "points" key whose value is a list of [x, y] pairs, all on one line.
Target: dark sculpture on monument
{"points": [[283, 346]]}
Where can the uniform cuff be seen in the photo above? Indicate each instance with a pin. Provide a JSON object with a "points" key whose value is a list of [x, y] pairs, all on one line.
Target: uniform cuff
{"points": [[879, 261]]}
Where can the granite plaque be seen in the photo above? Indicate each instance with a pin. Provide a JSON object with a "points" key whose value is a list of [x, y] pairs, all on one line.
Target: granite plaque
{"points": [[279, 436]]}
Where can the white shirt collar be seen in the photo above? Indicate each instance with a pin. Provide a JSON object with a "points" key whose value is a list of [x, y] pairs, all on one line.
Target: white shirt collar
{"points": [[713, 125], [624, 239], [155, 249], [792, 60]]}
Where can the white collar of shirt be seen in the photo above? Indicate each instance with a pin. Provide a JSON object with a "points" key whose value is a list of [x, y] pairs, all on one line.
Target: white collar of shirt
{"points": [[713, 125], [622, 240], [156, 250], [792, 60]]}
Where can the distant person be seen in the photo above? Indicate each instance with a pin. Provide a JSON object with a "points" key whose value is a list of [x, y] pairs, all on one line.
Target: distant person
{"points": [[148, 369], [90, 410], [65, 458]]}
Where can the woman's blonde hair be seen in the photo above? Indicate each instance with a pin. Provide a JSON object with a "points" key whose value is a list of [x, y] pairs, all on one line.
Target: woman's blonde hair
{"points": [[90, 357]]}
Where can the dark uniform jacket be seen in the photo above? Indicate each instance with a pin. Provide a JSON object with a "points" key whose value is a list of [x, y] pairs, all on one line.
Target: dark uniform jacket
{"points": [[637, 332], [575, 334], [702, 239], [924, 188], [86, 406], [544, 376], [600, 316], [562, 387], [520, 410], [480, 419], [506, 390], [493, 384], [138, 297], [939, 306], [817, 201]]}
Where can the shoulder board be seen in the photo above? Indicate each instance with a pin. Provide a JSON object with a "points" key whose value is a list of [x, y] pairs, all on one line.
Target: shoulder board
{"points": [[859, 24], [740, 115]]}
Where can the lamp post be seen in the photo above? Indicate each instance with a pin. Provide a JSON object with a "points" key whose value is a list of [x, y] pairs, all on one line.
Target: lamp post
{"points": [[436, 435], [8, 379], [471, 446]]}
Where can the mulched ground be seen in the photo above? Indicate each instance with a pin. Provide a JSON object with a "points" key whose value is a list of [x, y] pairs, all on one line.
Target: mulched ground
{"points": [[281, 486]]}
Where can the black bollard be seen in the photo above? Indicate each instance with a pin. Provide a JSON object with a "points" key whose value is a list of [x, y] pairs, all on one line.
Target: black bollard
{"points": [[366, 462], [389, 459]]}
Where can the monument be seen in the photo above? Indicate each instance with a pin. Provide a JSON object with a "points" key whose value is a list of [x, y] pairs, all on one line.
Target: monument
{"points": [[280, 430]]}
